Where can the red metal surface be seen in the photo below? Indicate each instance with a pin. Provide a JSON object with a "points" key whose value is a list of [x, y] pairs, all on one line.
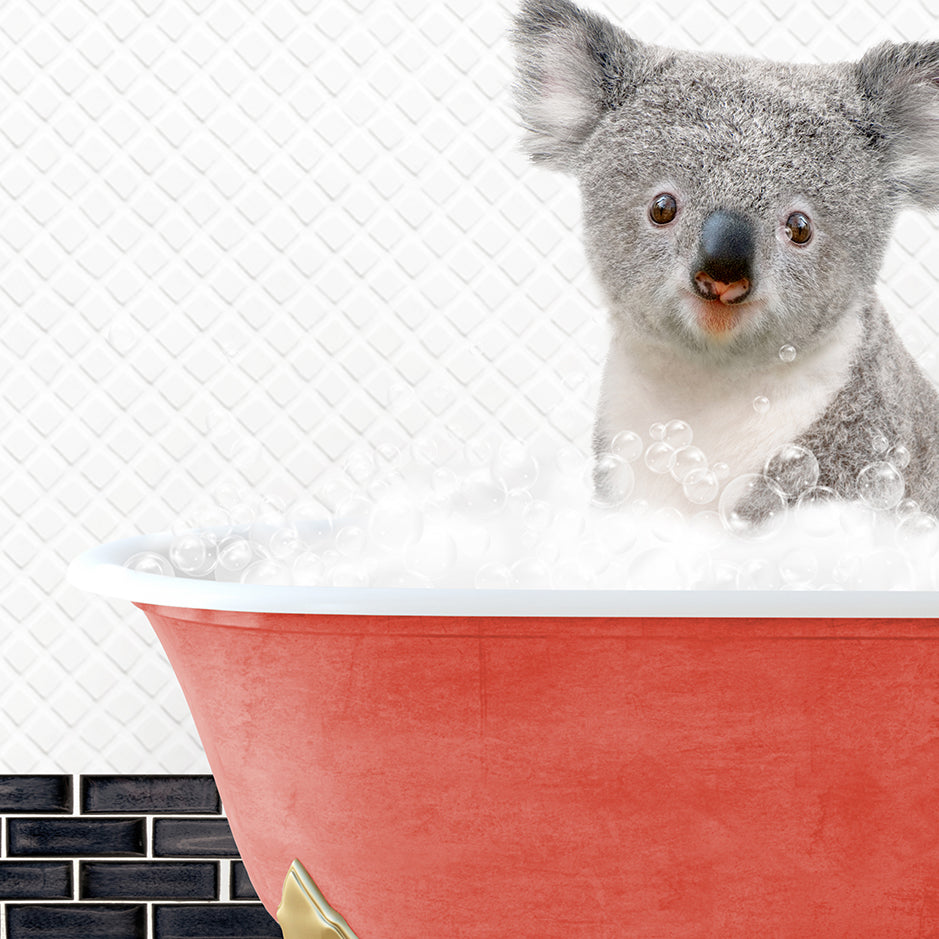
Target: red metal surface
{"points": [[473, 778]]}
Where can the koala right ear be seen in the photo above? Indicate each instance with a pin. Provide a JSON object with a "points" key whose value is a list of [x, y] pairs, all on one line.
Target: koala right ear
{"points": [[571, 67], [901, 85]]}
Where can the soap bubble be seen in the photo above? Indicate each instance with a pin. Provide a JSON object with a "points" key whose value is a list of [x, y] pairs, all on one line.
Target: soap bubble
{"points": [[879, 566], [787, 353], [721, 470], [752, 505], [793, 468], [758, 574], [330, 493], [715, 574], [206, 514], [386, 485], [538, 515], [906, 507], [662, 568], [401, 580], [798, 567], [678, 434], [234, 554], [311, 520], [618, 531], [481, 498], [659, 457], [513, 466], [879, 441], [284, 542], [627, 445], [228, 494], [478, 452], [266, 571], [308, 569], [360, 466], [657, 431], [351, 540], [899, 456], [880, 485], [761, 404], [574, 574], [530, 572], [686, 459], [193, 555], [666, 524], [348, 575], [858, 520], [701, 486], [816, 518], [708, 529], [150, 562], [614, 481], [920, 531]]}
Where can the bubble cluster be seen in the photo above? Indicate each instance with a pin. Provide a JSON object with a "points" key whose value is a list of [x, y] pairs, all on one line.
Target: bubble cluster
{"points": [[651, 511]]}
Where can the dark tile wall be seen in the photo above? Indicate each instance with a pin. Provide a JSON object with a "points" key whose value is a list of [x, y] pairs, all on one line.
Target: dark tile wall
{"points": [[122, 857]]}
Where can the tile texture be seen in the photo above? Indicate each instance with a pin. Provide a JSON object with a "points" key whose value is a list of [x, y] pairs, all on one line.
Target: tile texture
{"points": [[162, 864], [73, 837], [240, 239]]}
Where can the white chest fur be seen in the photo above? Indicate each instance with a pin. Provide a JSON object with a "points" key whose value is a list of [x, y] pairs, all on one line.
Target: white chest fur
{"points": [[643, 387]]}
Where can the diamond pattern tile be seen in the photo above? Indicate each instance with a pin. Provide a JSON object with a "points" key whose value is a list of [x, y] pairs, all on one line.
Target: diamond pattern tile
{"points": [[239, 238]]}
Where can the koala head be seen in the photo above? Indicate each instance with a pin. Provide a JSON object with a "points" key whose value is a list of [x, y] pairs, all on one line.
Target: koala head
{"points": [[731, 206]]}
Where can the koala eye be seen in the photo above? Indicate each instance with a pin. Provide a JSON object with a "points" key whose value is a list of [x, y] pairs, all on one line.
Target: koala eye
{"points": [[799, 228], [664, 208]]}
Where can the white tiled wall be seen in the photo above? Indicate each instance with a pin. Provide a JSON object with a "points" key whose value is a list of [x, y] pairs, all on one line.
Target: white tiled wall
{"points": [[238, 237]]}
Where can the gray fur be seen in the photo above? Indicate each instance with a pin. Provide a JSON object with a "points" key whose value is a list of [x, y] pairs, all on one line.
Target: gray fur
{"points": [[854, 143]]}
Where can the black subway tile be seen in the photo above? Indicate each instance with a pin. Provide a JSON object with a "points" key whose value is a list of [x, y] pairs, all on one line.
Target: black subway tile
{"points": [[35, 794], [76, 837], [149, 795], [248, 921], [241, 886], [193, 837], [69, 921], [148, 880], [35, 880]]}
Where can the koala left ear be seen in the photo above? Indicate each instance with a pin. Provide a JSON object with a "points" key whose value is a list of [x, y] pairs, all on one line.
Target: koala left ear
{"points": [[571, 68], [901, 85]]}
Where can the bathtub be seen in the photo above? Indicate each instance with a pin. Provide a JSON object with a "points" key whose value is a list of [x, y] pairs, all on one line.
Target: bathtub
{"points": [[463, 764]]}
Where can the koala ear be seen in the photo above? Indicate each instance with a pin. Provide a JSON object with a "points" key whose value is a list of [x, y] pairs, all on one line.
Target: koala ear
{"points": [[571, 67], [901, 84]]}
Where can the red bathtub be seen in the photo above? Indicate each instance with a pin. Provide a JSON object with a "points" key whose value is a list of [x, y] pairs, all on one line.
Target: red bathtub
{"points": [[555, 764]]}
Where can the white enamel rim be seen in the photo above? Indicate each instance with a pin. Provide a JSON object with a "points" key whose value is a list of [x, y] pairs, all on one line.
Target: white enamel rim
{"points": [[100, 570]]}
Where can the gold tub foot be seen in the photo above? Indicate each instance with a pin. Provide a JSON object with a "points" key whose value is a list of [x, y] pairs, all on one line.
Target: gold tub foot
{"points": [[304, 913]]}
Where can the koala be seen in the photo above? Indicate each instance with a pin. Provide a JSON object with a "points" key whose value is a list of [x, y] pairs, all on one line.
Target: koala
{"points": [[734, 208]]}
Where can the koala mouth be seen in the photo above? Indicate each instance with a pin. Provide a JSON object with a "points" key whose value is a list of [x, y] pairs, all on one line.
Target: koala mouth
{"points": [[718, 312]]}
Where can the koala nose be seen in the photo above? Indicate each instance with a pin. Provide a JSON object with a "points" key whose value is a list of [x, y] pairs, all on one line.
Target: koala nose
{"points": [[725, 259]]}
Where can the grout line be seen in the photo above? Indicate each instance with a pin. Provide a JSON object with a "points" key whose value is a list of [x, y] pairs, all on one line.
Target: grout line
{"points": [[224, 882]]}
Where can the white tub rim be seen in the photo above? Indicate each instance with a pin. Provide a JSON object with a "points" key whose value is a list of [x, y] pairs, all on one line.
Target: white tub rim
{"points": [[100, 570]]}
